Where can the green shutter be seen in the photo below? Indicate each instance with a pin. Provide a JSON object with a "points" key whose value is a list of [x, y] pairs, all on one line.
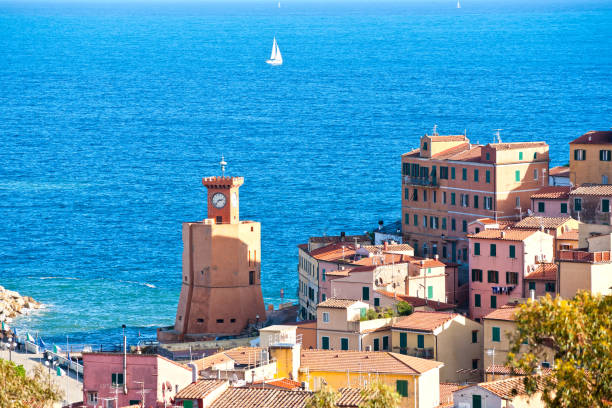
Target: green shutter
{"points": [[376, 302], [476, 401], [386, 343], [420, 341], [464, 174], [605, 206], [365, 293], [475, 175], [452, 173], [496, 334], [493, 302], [187, 404], [488, 176], [429, 292], [362, 312], [512, 251], [517, 175], [493, 250], [541, 207], [520, 155], [476, 248], [563, 208], [344, 345], [477, 300], [376, 345], [403, 342], [402, 387], [531, 285], [475, 336], [325, 343]]}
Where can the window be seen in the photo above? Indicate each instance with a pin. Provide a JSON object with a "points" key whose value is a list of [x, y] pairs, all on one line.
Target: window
{"points": [[443, 172], [444, 223], [579, 154], [403, 342], [476, 401], [424, 145], [488, 156], [475, 201], [323, 275], [424, 221], [488, 176], [219, 219], [407, 194], [476, 175], [464, 174], [604, 155], [493, 302], [116, 379], [474, 336], [444, 251], [474, 364], [605, 205], [520, 155], [577, 204], [444, 197], [465, 200], [604, 179], [493, 250], [563, 208], [420, 341], [362, 312], [496, 335], [453, 196], [137, 402], [251, 277], [430, 292], [535, 174], [464, 226], [453, 224], [550, 286], [512, 278], [476, 248], [376, 345], [325, 317], [488, 203], [424, 196], [92, 398], [376, 302], [220, 321], [493, 276], [385, 343], [452, 173], [186, 404], [517, 175], [532, 285], [365, 293], [402, 387], [323, 297], [476, 275], [406, 169], [415, 220], [517, 202], [512, 253], [415, 194], [344, 345], [325, 343], [477, 300], [541, 207]]}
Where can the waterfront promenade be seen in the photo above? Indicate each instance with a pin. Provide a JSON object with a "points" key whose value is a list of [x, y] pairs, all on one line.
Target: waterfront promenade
{"points": [[68, 383]]}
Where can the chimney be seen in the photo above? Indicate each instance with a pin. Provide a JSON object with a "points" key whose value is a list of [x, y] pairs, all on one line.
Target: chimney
{"points": [[194, 372], [386, 246], [532, 294], [436, 257], [422, 262], [503, 234]]}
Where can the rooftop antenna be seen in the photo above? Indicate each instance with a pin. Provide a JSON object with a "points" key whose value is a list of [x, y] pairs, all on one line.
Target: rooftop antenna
{"points": [[222, 163], [465, 132], [497, 133], [435, 130]]}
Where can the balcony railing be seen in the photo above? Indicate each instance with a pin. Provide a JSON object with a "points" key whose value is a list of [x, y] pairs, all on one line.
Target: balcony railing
{"points": [[421, 181], [427, 353], [584, 256]]}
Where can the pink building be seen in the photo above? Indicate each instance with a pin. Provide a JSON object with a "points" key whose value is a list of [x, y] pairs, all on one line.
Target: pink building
{"points": [[149, 377], [551, 201], [499, 261]]}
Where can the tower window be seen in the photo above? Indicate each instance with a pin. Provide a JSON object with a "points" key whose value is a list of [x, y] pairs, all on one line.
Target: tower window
{"points": [[219, 219], [251, 277], [219, 320], [200, 320], [232, 320]]}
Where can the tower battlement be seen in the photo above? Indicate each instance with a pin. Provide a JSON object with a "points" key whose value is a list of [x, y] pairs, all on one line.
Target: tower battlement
{"points": [[222, 182]]}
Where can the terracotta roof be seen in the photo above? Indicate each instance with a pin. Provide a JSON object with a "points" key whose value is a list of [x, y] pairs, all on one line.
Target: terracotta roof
{"points": [[594, 137], [337, 303], [472, 154], [592, 190], [260, 398], [506, 370], [516, 145], [447, 138], [506, 235], [364, 268], [339, 238], [446, 393], [344, 272], [386, 259], [390, 247], [572, 235], [535, 222], [212, 360], [546, 272], [350, 397], [504, 313], [365, 362], [559, 171], [200, 389], [303, 247], [427, 262], [553, 192], [507, 388], [451, 151], [245, 355], [332, 252], [423, 321], [416, 301], [284, 383], [486, 221]]}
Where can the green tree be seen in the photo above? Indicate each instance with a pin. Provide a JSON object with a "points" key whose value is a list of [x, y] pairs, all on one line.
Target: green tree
{"points": [[17, 390], [379, 395], [326, 397], [403, 308], [579, 331]]}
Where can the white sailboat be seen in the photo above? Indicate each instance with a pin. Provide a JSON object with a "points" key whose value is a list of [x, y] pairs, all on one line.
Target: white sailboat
{"points": [[458, 4], [275, 58]]}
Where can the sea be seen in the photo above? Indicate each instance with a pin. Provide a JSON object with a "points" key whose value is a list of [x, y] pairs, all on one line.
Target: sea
{"points": [[112, 112]]}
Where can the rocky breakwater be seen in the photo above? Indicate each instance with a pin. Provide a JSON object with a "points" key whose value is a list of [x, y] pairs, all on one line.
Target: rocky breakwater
{"points": [[12, 304]]}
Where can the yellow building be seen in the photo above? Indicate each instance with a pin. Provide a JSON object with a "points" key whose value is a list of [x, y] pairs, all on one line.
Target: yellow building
{"points": [[591, 158], [499, 327], [450, 338], [415, 379], [582, 270]]}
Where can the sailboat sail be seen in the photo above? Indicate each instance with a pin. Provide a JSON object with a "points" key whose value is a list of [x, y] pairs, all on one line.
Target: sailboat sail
{"points": [[275, 57], [274, 48], [458, 4], [279, 57]]}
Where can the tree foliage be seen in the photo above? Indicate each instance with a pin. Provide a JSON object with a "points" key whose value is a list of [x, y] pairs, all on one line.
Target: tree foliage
{"points": [[379, 395], [403, 308], [579, 331], [323, 398], [17, 390]]}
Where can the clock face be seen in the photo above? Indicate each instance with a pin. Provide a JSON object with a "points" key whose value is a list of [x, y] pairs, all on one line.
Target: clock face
{"points": [[219, 200]]}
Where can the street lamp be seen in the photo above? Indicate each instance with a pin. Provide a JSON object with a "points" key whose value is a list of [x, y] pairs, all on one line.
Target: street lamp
{"points": [[10, 345], [49, 362]]}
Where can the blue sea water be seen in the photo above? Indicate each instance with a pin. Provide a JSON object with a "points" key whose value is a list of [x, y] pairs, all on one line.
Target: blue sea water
{"points": [[110, 114]]}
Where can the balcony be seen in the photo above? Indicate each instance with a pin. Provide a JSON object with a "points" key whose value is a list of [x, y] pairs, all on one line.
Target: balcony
{"points": [[427, 353], [420, 181], [584, 256]]}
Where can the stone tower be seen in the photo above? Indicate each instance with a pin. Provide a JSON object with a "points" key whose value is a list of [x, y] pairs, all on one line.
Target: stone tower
{"points": [[221, 290]]}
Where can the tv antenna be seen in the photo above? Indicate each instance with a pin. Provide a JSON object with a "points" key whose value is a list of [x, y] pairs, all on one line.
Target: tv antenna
{"points": [[222, 163], [497, 133], [435, 130]]}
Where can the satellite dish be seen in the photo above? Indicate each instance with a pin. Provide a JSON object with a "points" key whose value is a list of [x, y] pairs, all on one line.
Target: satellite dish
{"points": [[529, 212]]}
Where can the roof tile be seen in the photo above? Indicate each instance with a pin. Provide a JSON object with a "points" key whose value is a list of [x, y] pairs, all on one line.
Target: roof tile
{"points": [[536, 222], [592, 190], [504, 313], [260, 398], [553, 192], [594, 137], [337, 303], [200, 389], [505, 235], [423, 321], [545, 272]]}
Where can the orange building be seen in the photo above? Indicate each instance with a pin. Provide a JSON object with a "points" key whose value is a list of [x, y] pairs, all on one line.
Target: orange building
{"points": [[448, 182], [221, 290]]}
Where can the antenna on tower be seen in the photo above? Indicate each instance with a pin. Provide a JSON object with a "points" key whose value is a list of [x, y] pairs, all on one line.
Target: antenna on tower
{"points": [[222, 163], [435, 130], [497, 133]]}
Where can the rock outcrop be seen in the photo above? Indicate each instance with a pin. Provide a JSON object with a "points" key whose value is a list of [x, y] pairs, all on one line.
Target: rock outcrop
{"points": [[12, 304]]}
